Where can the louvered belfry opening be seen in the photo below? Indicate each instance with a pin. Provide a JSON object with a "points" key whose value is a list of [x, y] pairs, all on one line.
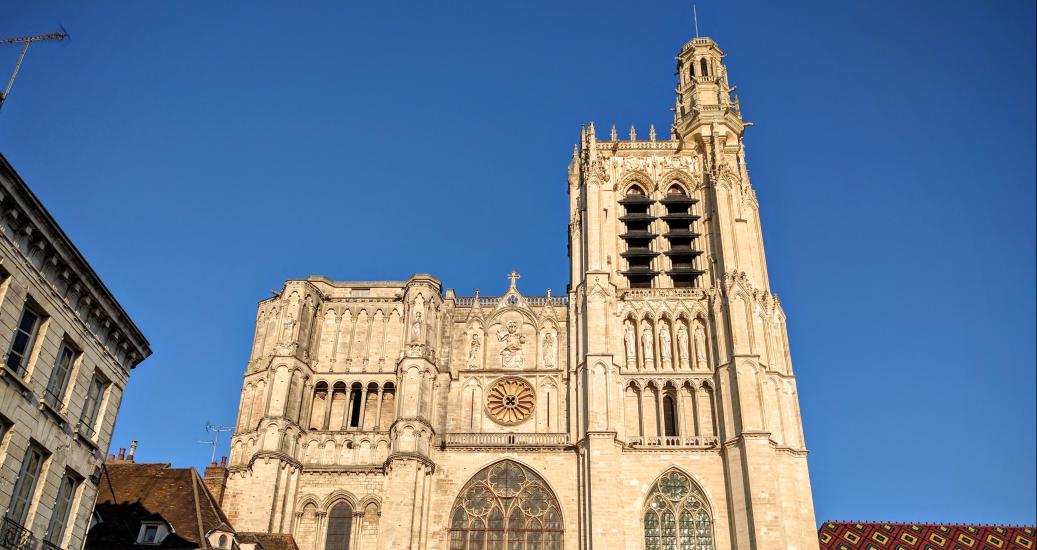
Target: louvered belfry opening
{"points": [[680, 235], [637, 220]]}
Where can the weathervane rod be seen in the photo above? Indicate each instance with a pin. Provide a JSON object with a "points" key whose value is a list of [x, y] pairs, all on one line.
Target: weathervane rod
{"points": [[695, 15]]}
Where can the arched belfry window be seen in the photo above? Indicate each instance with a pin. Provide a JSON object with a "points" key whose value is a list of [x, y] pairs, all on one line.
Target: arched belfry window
{"points": [[704, 71], [506, 506], [676, 515], [340, 526]]}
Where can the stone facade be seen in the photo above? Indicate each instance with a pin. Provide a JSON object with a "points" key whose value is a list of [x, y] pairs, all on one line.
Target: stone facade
{"points": [[653, 405], [69, 348]]}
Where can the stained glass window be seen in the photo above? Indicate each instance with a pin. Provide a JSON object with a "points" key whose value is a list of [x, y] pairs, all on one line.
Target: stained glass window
{"points": [[676, 516], [506, 506]]}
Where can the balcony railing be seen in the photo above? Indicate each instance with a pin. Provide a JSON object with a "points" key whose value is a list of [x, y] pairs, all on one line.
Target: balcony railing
{"points": [[14, 536], [674, 441], [504, 439], [46, 545]]}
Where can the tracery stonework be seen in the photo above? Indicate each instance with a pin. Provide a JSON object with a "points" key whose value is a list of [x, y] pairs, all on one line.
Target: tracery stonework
{"points": [[652, 406], [510, 400]]}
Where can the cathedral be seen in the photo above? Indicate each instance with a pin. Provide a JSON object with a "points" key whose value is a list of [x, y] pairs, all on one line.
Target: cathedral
{"points": [[651, 406]]}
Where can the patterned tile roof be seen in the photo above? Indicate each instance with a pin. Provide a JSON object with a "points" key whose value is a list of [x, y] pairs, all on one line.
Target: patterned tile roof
{"points": [[146, 492], [848, 535]]}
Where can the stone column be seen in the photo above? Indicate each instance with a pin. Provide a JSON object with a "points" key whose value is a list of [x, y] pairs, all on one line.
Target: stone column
{"points": [[363, 408], [355, 530], [318, 531], [328, 400], [378, 410]]}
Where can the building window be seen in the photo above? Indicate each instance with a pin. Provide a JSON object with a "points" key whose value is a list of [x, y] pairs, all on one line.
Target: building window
{"points": [[62, 508], [704, 66], [59, 376], [149, 533], [25, 487], [340, 526], [676, 515], [21, 342], [506, 505], [669, 417], [92, 405]]}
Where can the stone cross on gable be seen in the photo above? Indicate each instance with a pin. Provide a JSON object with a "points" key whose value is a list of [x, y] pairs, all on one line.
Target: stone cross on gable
{"points": [[513, 276]]}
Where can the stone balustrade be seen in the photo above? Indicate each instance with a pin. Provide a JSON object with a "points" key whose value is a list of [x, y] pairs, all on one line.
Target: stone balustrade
{"points": [[678, 441], [503, 439]]}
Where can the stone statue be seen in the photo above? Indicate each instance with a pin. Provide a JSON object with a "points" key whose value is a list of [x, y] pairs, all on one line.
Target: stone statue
{"points": [[682, 345], [511, 355], [549, 350], [473, 351], [700, 349], [665, 346], [289, 328], [416, 328], [631, 344], [647, 343]]}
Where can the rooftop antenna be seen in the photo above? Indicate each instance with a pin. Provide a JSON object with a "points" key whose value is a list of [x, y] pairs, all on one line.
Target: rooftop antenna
{"points": [[695, 15], [25, 41], [215, 441]]}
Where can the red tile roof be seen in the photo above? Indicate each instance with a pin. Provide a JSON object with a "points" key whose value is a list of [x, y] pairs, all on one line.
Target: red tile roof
{"points": [[151, 491], [848, 535]]}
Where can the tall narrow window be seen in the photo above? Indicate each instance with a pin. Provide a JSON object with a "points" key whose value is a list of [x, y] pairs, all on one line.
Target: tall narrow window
{"points": [[21, 342], [62, 508], [669, 417], [340, 526], [638, 235], [704, 67], [92, 405], [355, 395], [676, 515], [59, 376], [25, 487]]}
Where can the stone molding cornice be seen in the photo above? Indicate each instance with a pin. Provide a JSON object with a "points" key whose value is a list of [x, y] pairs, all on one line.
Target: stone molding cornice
{"points": [[399, 456], [75, 280]]}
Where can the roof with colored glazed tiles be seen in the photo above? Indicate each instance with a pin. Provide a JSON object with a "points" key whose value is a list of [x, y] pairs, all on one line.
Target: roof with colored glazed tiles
{"points": [[849, 535]]}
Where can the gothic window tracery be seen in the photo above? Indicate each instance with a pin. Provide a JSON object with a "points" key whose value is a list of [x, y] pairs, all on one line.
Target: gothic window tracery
{"points": [[506, 506], [676, 515]]}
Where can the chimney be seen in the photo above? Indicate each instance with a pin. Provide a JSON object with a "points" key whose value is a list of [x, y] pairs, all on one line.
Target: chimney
{"points": [[122, 453], [133, 450], [216, 479]]}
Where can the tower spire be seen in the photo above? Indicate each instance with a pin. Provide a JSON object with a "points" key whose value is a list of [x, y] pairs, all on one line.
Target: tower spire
{"points": [[695, 16]]}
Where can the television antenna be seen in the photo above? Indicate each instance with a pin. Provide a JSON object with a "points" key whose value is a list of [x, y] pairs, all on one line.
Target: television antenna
{"points": [[25, 41], [215, 441]]}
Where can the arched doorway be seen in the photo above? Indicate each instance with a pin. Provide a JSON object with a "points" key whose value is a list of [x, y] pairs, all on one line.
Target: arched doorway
{"points": [[506, 506]]}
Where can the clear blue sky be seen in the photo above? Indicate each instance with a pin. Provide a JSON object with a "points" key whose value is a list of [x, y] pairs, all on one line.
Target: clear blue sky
{"points": [[201, 153]]}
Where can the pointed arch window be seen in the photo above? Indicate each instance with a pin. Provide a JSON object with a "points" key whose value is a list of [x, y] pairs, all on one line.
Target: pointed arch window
{"points": [[506, 506], [340, 526], [676, 515]]}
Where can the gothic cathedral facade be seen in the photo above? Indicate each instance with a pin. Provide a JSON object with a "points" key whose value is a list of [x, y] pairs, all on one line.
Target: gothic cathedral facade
{"points": [[653, 406]]}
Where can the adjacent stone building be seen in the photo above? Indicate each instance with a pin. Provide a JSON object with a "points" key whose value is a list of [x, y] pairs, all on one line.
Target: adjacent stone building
{"points": [[68, 351], [651, 405]]}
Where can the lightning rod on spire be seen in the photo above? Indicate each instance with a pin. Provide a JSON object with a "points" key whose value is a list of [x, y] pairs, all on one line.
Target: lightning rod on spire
{"points": [[695, 16]]}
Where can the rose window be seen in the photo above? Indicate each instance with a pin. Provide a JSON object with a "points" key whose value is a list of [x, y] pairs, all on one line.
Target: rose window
{"points": [[510, 400]]}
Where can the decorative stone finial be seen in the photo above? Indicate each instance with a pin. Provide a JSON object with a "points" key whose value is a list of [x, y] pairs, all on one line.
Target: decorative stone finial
{"points": [[651, 132], [633, 133], [613, 135]]}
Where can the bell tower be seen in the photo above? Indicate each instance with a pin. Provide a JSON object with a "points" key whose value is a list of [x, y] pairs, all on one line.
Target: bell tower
{"points": [[680, 346]]}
